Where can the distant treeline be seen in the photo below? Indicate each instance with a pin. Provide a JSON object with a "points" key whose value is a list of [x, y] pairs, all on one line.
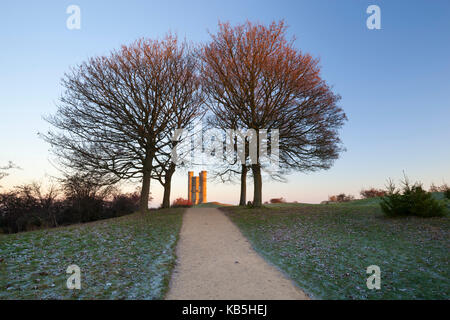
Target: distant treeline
{"points": [[75, 200]]}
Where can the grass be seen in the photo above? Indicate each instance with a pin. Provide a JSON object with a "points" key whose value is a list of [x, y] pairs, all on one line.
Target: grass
{"points": [[326, 249], [130, 257], [210, 205]]}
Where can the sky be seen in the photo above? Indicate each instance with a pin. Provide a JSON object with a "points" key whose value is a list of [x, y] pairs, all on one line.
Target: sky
{"points": [[394, 81]]}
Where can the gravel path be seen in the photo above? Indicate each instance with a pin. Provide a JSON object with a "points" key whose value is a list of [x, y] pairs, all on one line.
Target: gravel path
{"points": [[215, 261]]}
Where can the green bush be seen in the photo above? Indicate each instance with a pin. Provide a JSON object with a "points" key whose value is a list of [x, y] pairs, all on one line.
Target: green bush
{"points": [[447, 193], [411, 200]]}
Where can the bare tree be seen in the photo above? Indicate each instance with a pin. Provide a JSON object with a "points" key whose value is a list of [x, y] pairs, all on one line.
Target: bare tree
{"points": [[254, 74], [34, 193], [116, 110], [4, 169], [80, 186], [187, 105], [234, 166]]}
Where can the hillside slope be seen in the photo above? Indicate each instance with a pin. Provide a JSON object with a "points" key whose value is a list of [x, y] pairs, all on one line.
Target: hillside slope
{"points": [[326, 249], [130, 257]]}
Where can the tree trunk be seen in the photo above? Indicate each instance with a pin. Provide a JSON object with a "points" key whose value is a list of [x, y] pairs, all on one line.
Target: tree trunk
{"points": [[257, 185], [167, 186], [166, 198], [243, 185], [145, 193]]}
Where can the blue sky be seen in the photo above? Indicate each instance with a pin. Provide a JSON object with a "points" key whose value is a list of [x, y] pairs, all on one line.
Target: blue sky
{"points": [[394, 82]]}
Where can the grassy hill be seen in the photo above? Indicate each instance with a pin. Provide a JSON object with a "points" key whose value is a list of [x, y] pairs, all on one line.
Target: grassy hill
{"points": [[326, 249], [358, 202], [211, 205], [130, 257], [375, 201]]}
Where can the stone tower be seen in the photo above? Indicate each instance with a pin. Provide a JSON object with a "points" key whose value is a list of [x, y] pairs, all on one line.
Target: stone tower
{"points": [[202, 186], [197, 187], [190, 176]]}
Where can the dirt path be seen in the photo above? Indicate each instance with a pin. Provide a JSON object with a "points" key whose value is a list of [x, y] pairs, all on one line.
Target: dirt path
{"points": [[215, 261]]}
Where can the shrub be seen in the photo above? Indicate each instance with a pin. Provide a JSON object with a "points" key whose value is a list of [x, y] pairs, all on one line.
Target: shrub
{"points": [[434, 188], [372, 193], [86, 198], [442, 188], [278, 200], [28, 208], [125, 203], [181, 203], [83, 209], [447, 193], [411, 200], [342, 197]]}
